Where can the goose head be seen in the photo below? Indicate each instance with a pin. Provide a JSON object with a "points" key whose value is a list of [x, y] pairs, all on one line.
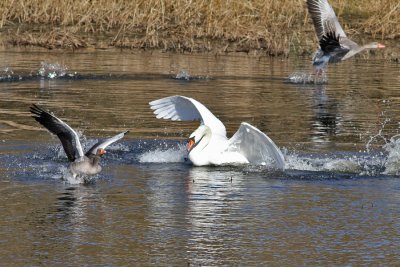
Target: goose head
{"points": [[94, 160], [199, 138], [100, 152], [374, 45]]}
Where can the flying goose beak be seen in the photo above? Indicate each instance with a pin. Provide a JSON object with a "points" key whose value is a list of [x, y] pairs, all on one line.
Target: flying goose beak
{"points": [[381, 45], [102, 151], [190, 143]]}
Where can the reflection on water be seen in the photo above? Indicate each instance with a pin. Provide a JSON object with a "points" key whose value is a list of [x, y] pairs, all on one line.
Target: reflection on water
{"points": [[159, 214], [336, 204], [327, 122], [257, 91]]}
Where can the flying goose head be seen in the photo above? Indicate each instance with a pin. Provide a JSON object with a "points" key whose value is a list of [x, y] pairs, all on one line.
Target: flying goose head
{"points": [[199, 138], [374, 45]]}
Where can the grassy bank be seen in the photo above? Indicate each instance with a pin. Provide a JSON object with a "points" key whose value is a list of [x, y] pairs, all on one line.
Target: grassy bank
{"points": [[274, 27]]}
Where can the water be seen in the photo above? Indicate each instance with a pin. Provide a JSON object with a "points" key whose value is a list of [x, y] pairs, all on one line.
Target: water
{"points": [[336, 204]]}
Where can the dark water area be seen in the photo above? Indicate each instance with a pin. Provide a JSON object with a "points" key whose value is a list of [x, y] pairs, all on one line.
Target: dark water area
{"points": [[335, 204]]}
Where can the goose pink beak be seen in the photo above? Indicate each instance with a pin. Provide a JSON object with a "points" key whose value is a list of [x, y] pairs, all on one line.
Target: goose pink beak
{"points": [[381, 46]]}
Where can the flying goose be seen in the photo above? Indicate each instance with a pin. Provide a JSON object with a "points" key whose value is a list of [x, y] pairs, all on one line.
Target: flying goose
{"points": [[334, 44]]}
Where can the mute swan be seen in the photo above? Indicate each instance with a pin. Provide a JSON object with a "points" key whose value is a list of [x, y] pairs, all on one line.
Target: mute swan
{"points": [[208, 144]]}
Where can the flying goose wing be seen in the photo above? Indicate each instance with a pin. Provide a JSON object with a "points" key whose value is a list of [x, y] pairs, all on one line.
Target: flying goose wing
{"points": [[324, 18], [105, 143], [181, 108], [68, 137], [331, 45], [256, 146]]}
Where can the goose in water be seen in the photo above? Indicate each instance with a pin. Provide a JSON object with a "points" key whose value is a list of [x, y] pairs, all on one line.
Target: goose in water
{"points": [[81, 165], [334, 44], [208, 144]]}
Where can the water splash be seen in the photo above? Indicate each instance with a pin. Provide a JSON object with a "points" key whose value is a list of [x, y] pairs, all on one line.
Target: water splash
{"points": [[46, 71], [169, 155], [183, 75], [392, 165], [7, 74], [378, 136], [368, 164], [52, 70], [118, 147], [307, 78], [69, 178], [296, 162]]}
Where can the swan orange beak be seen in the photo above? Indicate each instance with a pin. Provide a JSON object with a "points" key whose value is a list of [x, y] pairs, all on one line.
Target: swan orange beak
{"points": [[190, 143], [381, 45]]}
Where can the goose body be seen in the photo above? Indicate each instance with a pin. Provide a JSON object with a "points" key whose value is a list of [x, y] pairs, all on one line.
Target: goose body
{"points": [[81, 165], [209, 145], [86, 165], [335, 46]]}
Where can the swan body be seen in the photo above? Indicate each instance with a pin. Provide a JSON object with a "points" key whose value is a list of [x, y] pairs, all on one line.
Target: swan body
{"points": [[212, 151], [209, 145]]}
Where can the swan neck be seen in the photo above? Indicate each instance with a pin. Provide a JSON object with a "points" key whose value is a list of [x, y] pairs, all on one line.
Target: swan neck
{"points": [[204, 141]]}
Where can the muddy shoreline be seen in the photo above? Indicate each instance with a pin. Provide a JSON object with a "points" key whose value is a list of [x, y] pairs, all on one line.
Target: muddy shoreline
{"points": [[64, 40], [276, 28]]}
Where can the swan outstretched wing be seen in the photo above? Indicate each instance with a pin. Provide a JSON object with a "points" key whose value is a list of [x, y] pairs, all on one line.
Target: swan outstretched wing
{"points": [[256, 146], [68, 137], [181, 108], [105, 143], [324, 18]]}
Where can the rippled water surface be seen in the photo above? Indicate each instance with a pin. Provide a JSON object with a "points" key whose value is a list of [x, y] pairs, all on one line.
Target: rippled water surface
{"points": [[336, 204]]}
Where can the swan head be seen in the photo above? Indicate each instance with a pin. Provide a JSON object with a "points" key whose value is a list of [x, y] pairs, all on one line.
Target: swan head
{"points": [[200, 134]]}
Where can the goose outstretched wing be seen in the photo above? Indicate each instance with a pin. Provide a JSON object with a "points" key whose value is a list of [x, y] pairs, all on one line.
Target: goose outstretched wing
{"points": [[68, 137]]}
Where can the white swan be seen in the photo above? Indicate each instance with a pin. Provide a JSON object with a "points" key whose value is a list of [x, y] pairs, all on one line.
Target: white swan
{"points": [[208, 144]]}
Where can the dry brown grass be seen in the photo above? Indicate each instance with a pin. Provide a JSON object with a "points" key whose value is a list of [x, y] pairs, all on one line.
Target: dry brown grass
{"points": [[384, 20], [50, 40], [276, 27]]}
